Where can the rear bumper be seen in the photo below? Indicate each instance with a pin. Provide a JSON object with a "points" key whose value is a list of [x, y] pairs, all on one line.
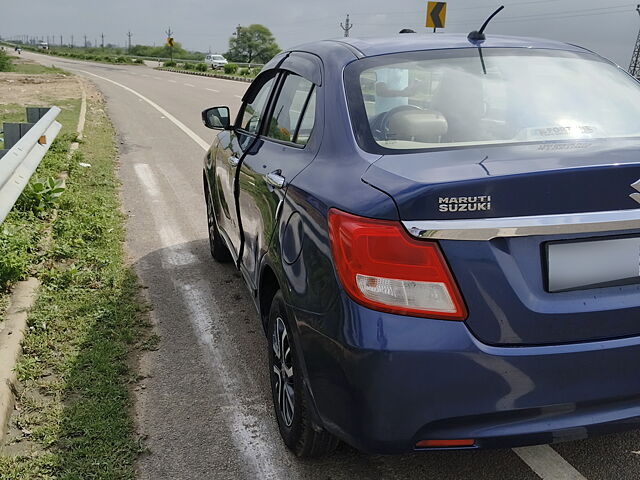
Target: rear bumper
{"points": [[383, 382]]}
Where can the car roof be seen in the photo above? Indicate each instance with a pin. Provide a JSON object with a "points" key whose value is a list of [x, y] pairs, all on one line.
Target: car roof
{"points": [[407, 42]]}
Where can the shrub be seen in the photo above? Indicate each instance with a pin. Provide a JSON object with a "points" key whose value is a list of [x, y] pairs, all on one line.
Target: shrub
{"points": [[5, 62], [201, 67], [40, 196], [169, 64], [230, 68], [139, 61], [18, 235], [187, 66], [243, 72]]}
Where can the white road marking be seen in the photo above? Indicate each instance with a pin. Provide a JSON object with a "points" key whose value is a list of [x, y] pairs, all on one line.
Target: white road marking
{"points": [[238, 96], [213, 90], [189, 85], [204, 145], [247, 431], [173, 81], [157, 78], [547, 463], [256, 444], [172, 239], [143, 75]]}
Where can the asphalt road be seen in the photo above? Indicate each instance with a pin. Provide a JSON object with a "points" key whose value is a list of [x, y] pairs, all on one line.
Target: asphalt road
{"points": [[204, 409]]}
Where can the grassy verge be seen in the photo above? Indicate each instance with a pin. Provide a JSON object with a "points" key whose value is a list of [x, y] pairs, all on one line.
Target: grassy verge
{"points": [[73, 417], [209, 73], [32, 68]]}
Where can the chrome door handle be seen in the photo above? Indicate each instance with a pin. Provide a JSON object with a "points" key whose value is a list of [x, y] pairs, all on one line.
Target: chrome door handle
{"points": [[274, 178], [233, 161]]}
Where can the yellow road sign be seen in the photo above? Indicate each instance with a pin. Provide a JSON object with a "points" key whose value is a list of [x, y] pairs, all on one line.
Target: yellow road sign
{"points": [[170, 42], [436, 14]]}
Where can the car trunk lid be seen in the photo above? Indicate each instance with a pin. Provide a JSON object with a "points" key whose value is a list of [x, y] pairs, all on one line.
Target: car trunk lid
{"points": [[505, 278]]}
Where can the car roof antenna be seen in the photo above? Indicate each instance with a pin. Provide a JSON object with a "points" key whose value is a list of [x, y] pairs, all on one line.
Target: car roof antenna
{"points": [[479, 36]]}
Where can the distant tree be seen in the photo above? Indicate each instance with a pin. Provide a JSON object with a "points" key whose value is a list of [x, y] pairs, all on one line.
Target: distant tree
{"points": [[252, 44]]}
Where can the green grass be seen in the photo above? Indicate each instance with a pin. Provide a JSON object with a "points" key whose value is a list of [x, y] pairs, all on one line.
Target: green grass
{"points": [[29, 68], [87, 321]]}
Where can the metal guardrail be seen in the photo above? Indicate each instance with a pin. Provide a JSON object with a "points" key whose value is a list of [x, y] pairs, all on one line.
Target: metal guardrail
{"points": [[21, 160]]}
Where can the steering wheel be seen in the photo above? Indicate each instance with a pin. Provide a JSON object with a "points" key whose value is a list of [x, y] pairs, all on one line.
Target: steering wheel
{"points": [[380, 125]]}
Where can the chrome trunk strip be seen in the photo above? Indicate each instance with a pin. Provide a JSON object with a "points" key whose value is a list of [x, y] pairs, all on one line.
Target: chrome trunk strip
{"points": [[488, 228]]}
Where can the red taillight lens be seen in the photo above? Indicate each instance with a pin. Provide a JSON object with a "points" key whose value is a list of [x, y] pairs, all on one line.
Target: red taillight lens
{"points": [[466, 442], [383, 268]]}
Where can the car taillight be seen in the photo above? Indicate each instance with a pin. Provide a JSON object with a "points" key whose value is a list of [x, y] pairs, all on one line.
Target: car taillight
{"points": [[383, 268]]}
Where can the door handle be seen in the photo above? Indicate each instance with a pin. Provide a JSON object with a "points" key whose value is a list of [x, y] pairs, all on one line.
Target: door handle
{"points": [[233, 161], [275, 179]]}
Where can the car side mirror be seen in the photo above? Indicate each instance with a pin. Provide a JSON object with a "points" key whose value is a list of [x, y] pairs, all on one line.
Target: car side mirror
{"points": [[217, 118]]}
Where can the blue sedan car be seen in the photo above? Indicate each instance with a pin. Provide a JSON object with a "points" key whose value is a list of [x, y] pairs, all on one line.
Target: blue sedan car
{"points": [[442, 238]]}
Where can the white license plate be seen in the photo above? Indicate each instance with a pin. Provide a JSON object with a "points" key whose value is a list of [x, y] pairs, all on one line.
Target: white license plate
{"points": [[593, 264]]}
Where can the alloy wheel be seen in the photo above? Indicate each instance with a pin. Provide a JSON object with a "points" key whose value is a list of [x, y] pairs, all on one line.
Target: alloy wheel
{"points": [[283, 372]]}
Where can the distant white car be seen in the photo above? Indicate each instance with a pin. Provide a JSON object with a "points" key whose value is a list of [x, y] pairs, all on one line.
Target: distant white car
{"points": [[216, 61]]}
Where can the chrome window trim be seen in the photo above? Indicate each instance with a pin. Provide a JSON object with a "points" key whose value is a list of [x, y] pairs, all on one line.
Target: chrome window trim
{"points": [[489, 228]]}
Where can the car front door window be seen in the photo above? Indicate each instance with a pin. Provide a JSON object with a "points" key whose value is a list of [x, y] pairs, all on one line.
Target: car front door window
{"points": [[252, 112]]}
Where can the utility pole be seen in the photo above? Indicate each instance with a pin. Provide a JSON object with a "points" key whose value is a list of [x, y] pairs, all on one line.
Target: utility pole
{"points": [[71, 41], [347, 26], [60, 40], [102, 42], [237, 32], [85, 41], [634, 66], [129, 34], [170, 42]]}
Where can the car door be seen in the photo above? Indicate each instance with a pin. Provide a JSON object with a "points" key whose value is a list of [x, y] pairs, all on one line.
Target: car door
{"points": [[283, 153], [231, 148]]}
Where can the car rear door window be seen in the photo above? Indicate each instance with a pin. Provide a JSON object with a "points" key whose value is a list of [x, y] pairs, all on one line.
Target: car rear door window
{"points": [[294, 111], [307, 121]]}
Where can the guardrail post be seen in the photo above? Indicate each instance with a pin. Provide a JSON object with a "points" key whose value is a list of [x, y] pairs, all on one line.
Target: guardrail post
{"points": [[13, 132], [34, 114]]}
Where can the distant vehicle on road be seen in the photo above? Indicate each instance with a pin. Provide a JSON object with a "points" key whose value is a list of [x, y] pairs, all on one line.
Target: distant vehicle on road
{"points": [[215, 61], [441, 236], [43, 46]]}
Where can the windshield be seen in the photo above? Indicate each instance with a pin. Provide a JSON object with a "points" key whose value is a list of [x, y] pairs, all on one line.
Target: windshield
{"points": [[455, 98], [217, 57]]}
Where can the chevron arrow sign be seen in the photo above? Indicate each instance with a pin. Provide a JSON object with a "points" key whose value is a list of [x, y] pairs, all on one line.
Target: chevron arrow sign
{"points": [[436, 14]]}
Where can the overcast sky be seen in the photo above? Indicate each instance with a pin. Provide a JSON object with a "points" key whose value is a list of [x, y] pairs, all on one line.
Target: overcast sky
{"points": [[609, 30]]}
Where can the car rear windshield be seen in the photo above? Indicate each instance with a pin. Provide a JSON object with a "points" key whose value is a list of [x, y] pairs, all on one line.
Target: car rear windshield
{"points": [[467, 97]]}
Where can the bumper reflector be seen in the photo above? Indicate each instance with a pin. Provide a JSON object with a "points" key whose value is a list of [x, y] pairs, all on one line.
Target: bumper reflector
{"points": [[464, 442]]}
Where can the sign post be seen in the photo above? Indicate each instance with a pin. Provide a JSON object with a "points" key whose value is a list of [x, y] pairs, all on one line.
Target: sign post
{"points": [[170, 42], [436, 15]]}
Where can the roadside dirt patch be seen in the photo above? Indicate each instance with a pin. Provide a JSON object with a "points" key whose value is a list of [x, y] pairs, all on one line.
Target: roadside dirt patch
{"points": [[17, 88]]}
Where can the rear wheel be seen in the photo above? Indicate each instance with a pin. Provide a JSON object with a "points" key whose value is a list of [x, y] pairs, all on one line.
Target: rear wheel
{"points": [[219, 250], [289, 400]]}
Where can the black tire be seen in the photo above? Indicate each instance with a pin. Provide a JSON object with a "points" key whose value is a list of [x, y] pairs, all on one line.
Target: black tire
{"points": [[293, 418], [219, 250]]}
